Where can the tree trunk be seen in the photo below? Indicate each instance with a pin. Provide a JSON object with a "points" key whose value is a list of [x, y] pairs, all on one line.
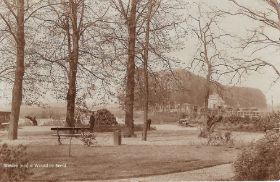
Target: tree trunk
{"points": [[208, 84], [73, 65], [146, 76], [130, 82], [19, 73], [206, 101], [71, 98]]}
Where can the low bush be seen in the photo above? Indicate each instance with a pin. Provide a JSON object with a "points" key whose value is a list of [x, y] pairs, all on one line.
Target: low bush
{"points": [[218, 138], [13, 163], [263, 123], [260, 160], [88, 138]]}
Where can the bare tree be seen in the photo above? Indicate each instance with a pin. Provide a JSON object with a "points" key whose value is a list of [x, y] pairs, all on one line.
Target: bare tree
{"points": [[73, 58], [129, 15], [14, 15], [131, 18], [262, 36], [17, 11], [72, 54], [145, 64], [153, 36], [211, 56]]}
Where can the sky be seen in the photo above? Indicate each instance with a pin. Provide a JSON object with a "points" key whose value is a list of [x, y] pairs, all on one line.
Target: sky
{"points": [[263, 80]]}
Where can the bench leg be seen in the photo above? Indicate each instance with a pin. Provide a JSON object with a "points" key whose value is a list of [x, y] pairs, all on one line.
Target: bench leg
{"points": [[58, 139], [70, 143]]}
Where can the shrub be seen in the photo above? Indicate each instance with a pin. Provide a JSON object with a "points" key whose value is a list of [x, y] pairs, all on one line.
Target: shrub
{"points": [[263, 123], [182, 115], [270, 121], [88, 138], [220, 138], [260, 161], [17, 157], [103, 117]]}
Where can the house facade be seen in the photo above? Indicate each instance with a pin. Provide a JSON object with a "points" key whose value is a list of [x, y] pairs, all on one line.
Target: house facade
{"points": [[215, 101]]}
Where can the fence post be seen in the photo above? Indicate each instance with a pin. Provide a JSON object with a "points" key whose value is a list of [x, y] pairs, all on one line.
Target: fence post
{"points": [[117, 137]]}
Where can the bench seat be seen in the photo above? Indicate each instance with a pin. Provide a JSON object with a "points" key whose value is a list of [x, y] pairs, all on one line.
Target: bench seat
{"points": [[4, 125], [70, 128], [67, 135]]}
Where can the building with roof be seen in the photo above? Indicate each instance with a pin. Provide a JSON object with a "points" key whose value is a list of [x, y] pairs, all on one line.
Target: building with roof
{"points": [[215, 101]]}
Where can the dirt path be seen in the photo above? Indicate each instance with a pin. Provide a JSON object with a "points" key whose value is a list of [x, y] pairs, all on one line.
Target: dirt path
{"points": [[221, 172], [174, 127], [216, 173]]}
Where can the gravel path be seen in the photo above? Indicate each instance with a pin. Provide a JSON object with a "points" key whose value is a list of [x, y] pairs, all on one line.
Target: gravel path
{"points": [[216, 173]]}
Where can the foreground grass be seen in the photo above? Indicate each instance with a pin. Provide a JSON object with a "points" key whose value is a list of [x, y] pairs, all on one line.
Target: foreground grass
{"points": [[95, 163]]}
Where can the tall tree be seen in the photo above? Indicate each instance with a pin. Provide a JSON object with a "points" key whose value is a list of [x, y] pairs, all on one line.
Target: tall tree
{"points": [[211, 56], [17, 89], [73, 51], [72, 54], [75, 30], [130, 68], [14, 15], [129, 15], [149, 15], [17, 11], [158, 40]]}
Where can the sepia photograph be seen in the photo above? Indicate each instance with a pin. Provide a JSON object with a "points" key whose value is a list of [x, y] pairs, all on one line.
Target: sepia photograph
{"points": [[139, 90]]}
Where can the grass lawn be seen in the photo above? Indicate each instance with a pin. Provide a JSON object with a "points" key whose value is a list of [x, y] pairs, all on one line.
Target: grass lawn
{"points": [[95, 163]]}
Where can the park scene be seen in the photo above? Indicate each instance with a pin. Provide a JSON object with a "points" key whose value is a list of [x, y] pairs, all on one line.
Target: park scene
{"points": [[139, 90]]}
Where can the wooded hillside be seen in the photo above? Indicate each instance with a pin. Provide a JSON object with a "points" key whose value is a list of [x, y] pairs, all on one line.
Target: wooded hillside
{"points": [[182, 86]]}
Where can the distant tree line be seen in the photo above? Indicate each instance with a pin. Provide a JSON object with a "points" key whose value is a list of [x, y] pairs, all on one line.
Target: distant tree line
{"points": [[185, 87]]}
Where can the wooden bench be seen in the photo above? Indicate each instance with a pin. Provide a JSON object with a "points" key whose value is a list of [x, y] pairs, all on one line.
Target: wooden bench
{"points": [[73, 132], [277, 129], [4, 125]]}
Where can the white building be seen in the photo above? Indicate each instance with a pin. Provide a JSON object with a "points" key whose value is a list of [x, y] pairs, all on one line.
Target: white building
{"points": [[4, 97], [215, 101]]}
